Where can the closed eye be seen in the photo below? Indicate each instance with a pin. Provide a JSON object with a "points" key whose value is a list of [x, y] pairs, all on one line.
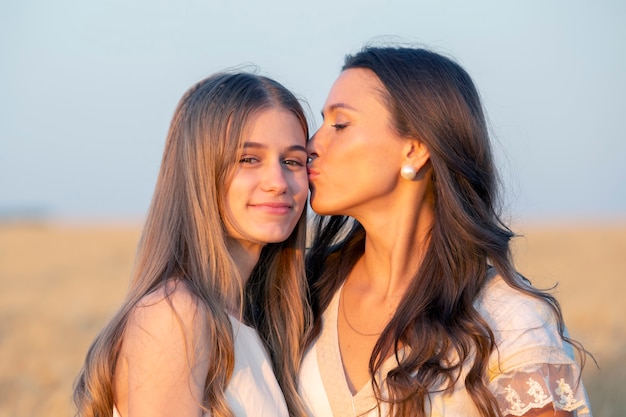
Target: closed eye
{"points": [[339, 126]]}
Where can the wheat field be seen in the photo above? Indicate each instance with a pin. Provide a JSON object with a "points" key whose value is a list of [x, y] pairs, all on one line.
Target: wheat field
{"points": [[61, 283]]}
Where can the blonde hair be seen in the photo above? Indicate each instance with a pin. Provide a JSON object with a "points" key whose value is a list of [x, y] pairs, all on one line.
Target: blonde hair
{"points": [[184, 238]]}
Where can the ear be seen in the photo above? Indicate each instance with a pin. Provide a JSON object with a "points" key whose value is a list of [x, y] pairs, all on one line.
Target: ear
{"points": [[416, 154]]}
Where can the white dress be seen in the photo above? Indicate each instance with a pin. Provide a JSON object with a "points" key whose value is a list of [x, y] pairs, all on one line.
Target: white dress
{"points": [[252, 389], [531, 368]]}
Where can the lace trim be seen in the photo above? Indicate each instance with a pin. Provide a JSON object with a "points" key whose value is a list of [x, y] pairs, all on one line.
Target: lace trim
{"points": [[519, 391]]}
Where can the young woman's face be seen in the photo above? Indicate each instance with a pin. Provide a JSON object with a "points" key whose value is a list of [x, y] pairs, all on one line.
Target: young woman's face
{"points": [[356, 157], [269, 188]]}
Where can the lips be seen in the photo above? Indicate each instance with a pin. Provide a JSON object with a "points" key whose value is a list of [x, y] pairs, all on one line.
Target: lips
{"points": [[273, 207], [312, 173]]}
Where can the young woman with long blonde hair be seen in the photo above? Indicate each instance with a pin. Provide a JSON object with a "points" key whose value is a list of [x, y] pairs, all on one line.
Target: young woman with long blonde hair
{"points": [[216, 312]]}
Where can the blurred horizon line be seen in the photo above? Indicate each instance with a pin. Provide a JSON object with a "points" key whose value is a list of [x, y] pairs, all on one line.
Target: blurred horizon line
{"points": [[42, 215]]}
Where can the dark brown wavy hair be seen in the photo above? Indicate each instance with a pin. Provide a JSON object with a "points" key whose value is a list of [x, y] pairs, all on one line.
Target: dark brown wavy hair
{"points": [[184, 237], [432, 98]]}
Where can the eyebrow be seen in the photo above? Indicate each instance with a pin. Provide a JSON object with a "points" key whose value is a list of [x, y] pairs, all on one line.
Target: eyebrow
{"points": [[340, 105], [258, 145]]}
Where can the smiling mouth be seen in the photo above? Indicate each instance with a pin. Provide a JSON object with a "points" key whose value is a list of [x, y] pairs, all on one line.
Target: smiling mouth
{"points": [[273, 208]]}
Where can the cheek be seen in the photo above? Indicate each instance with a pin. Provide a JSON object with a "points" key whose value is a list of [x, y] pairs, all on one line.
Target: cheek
{"points": [[301, 187]]}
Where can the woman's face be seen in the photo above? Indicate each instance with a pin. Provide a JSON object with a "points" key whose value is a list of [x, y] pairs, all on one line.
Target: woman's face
{"points": [[356, 157], [269, 188]]}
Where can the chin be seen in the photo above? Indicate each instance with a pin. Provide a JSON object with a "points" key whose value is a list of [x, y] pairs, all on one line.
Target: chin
{"points": [[274, 241], [315, 206], [321, 210], [274, 237]]}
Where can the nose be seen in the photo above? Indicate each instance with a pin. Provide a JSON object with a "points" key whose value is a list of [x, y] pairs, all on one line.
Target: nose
{"points": [[274, 178]]}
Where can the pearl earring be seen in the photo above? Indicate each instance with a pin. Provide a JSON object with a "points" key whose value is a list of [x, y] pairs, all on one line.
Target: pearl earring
{"points": [[408, 172]]}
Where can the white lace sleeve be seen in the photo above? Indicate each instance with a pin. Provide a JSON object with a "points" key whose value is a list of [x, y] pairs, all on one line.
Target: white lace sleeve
{"points": [[519, 391], [532, 366]]}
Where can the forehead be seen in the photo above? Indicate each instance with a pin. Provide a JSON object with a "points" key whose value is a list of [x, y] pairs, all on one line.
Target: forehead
{"points": [[355, 87], [274, 125]]}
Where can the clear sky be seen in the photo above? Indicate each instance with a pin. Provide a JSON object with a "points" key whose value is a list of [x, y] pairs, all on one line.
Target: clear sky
{"points": [[87, 89]]}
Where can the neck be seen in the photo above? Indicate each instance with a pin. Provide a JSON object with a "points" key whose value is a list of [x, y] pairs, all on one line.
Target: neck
{"points": [[245, 256], [394, 248]]}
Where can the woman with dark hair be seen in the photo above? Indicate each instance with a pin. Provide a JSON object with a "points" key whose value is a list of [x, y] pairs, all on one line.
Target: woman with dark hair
{"points": [[215, 316], [418, 309]]}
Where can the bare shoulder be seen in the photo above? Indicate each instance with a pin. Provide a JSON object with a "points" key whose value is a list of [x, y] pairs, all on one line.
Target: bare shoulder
{"points": [[173, 293], [163, 360], [169, 312]]}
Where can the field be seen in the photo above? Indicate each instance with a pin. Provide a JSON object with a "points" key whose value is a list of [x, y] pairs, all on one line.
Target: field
{"points": [[60, 284]]}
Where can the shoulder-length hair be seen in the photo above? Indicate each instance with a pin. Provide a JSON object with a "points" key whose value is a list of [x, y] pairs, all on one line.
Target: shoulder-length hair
{"points": [[184, 237], [431, 98]]}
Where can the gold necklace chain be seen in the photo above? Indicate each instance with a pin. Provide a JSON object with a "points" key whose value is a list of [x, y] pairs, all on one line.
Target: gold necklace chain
{"points": [[345, 317]]}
